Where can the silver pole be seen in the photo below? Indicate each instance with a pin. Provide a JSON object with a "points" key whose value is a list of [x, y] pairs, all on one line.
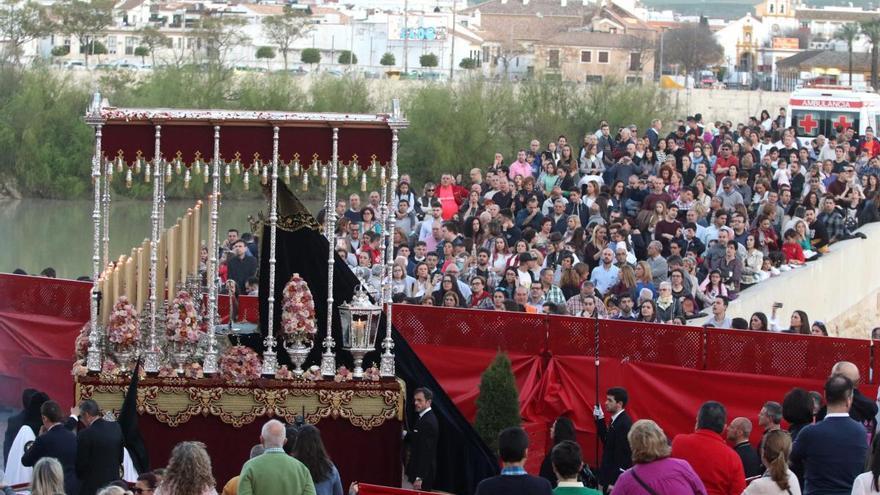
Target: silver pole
{"points": [[210, 363], [328, 359], [105, 206], [151, 361], [386, 366], [93, 361], [270, 358]]}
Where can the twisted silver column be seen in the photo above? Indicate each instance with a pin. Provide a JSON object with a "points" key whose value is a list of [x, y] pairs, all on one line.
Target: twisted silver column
{"points": [[328, 358], [270, 357]]}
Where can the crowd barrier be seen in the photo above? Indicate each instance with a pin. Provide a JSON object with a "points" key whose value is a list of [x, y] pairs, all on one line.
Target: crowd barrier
{"points": [[668, 370]]}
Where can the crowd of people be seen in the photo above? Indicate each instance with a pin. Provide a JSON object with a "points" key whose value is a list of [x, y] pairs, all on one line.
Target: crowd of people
{"points": [[653, 228]]}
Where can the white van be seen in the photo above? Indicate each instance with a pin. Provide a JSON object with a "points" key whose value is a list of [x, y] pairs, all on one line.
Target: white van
{"points": [[825, 109]]}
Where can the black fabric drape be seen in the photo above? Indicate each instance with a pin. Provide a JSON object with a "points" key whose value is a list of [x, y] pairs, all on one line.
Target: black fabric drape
{"points": [[463, 460], [128, 422]]}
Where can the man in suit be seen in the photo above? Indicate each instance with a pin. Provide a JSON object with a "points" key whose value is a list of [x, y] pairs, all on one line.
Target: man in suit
{"points": [[98, 449], [653, 133], [738, 435], [717, 465], [16, 421], [56, 441], [832, 452], [422, 441], [616, 456], [513, 449]]}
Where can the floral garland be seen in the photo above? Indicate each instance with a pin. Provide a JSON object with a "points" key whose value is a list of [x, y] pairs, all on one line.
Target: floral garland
{"points": [[124, 328], [82, 341], [239, 364], [182, 325], [298, 311]]}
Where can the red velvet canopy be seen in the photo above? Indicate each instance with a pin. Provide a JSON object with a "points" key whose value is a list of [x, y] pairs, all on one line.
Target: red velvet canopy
{"points": [[246, 136]]}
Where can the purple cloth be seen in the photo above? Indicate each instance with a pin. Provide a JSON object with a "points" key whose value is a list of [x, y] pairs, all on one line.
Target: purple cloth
{"points": [[666, 477]]}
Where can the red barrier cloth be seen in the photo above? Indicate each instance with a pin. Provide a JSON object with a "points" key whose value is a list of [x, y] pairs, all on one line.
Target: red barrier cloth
{"points": [[367, 489]]}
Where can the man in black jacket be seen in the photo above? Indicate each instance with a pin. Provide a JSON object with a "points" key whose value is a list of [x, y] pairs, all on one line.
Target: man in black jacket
{"points": [[616, 456], [16, 421], [738, 436], [58, 442], [422, 441], [98, 449]]}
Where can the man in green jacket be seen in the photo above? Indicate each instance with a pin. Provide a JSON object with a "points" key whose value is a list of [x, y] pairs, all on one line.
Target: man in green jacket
{"points": [[274, 472]]}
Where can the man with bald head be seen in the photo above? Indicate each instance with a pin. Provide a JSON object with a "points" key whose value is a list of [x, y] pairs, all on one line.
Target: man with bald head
{"points": [[863, 409], [738, 436], [275, 472]]}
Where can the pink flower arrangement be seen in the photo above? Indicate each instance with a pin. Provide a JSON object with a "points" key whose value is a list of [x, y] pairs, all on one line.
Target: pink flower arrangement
{"points": [[343, 375], [82, 341], [124, 328], [239, 364], [193, 370], [313, 374], [284, 373], [372, 374], [298, 311], [79, 369], [183, 325], [167, 371]]}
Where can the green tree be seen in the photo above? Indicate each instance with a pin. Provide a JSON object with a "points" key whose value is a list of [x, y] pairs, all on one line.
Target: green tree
{"points": [[95, 47], [266, 52], [142, 52], [428, 60], [284, 29], [221, 34], [871, 30], [60, 51], [693, 46], [347, 58], [153, 39], [387, 59], [310, 56], [468, 63], [498, 402], [21, 22], [848, 33], [84, 20]]}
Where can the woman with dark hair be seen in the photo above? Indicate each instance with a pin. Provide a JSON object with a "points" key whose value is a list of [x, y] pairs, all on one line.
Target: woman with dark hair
{"points": [[369, 223], [758, 322], [448, 284], [509, 282], [819, 329], [310, 451], [799, 323], [868, 483], [797, 410], [146, 484], [648, 312], [561, 430]]}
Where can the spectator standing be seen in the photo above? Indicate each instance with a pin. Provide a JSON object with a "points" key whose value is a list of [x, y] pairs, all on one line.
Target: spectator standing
{"points": [[15, 422], [189, 471], [275, 472], [616, 455], [869, 483], [738, 435], [57, 442], [833, 450], [567, 464], [653, 469], [241, 267], [778, 480], [310, 451], [231, 486], [561, 430], [422, 442], [98, 449], [513, 448], [717, 465], [48, 477]]}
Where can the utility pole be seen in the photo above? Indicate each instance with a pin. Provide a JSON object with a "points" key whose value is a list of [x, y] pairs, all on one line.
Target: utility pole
{"points": [[406, 36], [452, 51], [660, 76]]}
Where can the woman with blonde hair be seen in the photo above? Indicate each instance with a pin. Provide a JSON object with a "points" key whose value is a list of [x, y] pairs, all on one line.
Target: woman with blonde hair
{"points": [[778, 478], [644, 278], [188, 472], [653, 470], [626, 282], [48, 477]]}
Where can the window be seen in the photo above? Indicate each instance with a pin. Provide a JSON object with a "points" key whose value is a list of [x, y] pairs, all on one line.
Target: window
{"points": [[811, 123], [603, 57], [771, 8], [485, 54], [130, 44], [635, 61], [553, 61], [634, 79], [593, 79], [782, 8], [586, 56], [111, 44]]}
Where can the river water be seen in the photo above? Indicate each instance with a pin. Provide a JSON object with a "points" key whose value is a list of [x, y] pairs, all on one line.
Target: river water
{"points": [[38, 233]]}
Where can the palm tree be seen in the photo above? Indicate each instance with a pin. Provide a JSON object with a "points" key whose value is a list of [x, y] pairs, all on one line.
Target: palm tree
{"points": [[848, 33], [871, 29]]}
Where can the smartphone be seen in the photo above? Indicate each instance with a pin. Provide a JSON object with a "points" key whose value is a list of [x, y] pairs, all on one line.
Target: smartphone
{"points": [[777, 305]]}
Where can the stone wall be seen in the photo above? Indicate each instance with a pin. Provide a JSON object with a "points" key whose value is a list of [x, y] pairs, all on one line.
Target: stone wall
{"points": [[722, 104], [842, 289]]}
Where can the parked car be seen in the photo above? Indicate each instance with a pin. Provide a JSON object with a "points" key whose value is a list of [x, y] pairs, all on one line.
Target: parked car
{"points": [[75, 65]]}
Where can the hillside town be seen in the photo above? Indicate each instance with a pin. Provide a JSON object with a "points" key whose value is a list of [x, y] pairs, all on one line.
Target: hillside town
{"points": [[780, 45]]}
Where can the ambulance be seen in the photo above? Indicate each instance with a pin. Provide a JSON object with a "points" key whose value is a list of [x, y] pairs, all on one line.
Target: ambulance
{"points": [[823, 110]]}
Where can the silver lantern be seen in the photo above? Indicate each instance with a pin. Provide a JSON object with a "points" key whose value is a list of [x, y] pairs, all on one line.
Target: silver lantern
{"points": [[360, 326]]}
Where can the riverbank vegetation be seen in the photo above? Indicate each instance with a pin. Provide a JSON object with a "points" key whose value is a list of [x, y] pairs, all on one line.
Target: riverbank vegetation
{"points": [[45, 147]]}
